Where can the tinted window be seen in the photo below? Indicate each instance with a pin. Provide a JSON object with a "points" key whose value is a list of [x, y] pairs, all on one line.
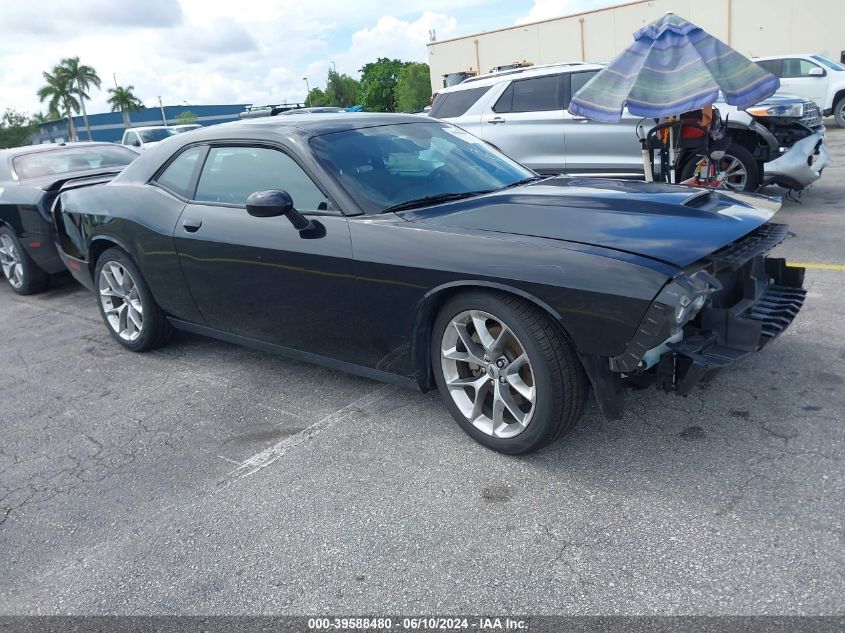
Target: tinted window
{"points": [[452, 104], [390, 164], [579, 80], [159, 134], [530, 95], [71, 159], [770, 65], [231, 174], [178, 177], [796, 68]]}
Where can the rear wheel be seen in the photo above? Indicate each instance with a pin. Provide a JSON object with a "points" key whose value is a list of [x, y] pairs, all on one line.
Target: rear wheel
{"points": [[508, 376], [839, 112], [20, 271], [129, 311]]}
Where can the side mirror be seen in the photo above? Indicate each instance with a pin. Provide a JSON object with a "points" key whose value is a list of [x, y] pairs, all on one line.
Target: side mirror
{"points": [[136, 143], [816, 72], [275, 202]]}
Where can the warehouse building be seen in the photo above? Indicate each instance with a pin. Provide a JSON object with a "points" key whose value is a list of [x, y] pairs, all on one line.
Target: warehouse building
{"points": [[109, 125], [752, 27]]}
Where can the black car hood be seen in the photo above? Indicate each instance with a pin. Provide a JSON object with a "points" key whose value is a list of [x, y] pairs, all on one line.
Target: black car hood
{"points": [[674, 224]]}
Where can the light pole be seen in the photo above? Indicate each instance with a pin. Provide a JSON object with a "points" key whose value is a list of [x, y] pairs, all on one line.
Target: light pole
{"points": [[163, 117], [307, 91]]}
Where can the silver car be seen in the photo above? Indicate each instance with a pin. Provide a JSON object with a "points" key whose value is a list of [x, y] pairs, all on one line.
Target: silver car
{"points": [[524, 113]]}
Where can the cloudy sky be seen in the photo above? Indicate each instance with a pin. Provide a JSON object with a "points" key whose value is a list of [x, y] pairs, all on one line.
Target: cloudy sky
{"points": [[220, 51]]}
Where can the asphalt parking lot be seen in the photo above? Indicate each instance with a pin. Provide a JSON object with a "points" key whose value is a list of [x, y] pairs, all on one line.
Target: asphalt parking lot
{"points": [[207, 478]]}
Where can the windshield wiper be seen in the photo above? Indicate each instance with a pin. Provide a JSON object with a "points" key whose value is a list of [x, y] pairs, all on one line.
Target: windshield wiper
{"points": [[525, 181], [430, 200]]}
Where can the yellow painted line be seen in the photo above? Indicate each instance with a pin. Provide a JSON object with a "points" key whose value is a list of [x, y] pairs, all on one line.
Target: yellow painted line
{"points": [[817, 266]]}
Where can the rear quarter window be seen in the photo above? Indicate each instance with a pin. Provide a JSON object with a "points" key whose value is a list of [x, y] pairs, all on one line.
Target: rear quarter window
{"points": [[454, 104]]}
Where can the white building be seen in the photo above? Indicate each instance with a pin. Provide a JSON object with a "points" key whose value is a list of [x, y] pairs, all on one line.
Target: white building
{"points": [[753, 27]]}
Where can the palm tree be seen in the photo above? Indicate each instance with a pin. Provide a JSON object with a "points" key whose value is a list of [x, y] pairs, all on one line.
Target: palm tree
{"points": [[61, 98], [80, 78], [124, 100]]}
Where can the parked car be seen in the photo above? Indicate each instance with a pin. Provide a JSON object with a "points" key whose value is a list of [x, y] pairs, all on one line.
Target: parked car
{"points": [[407, 250], [30, 179], [812, 77], [524, 113], [145, 136]]}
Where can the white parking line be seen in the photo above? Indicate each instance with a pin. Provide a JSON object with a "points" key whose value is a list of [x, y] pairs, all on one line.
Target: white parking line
{"points": [[270, 454]]}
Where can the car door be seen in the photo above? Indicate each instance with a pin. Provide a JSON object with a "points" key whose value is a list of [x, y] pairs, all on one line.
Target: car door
{"points": [[526, 123], [795, 78], [261, 278], [600, 148]]}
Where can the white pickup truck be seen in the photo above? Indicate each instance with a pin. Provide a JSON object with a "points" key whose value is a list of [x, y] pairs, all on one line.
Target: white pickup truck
{"points": [[812, 77], [143, 137]]}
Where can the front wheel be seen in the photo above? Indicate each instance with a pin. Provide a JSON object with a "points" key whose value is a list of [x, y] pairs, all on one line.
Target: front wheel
{"points": [[839, 112], [738, 169], [20, 271], [509, 377], [127, 306]]}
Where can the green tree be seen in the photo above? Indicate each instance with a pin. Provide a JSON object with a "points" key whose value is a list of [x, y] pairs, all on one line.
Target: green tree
{"points": [[40, 117], [59, 96], [79, 79], [341, 90], [186, 117], [123, 99], [16, 129], [413, 88], [316, 98], [378, 84]]}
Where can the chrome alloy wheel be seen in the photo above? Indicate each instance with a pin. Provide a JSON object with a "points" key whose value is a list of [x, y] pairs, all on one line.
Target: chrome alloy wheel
{"points": [[10, 260], [733, 173], [121, 301], [488, 374]]}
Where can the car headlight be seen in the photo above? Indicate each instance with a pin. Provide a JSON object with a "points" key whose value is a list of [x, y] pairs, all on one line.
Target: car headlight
{"points": [[687, 294], [783, 110]]}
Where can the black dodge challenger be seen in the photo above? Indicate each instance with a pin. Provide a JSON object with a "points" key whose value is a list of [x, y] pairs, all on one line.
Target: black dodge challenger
{"points": [[30, 179], [406, 250]]}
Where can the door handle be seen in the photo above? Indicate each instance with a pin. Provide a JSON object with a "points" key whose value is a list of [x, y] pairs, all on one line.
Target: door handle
{"points": [[496, 119], [192, 225]]}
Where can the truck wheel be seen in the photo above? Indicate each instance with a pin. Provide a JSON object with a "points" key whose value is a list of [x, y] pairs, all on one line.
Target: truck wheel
{"points": [[738, 167], [20, 271], [839, 112]]}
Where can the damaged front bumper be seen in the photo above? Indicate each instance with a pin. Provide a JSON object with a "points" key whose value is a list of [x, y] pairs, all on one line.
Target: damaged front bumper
{"points": [[800, 165], [752, 300]]}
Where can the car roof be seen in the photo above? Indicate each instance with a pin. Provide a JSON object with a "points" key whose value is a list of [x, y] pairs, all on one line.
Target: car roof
{"points": [[48, 147], [149, 127], [764, 58], [305, 124], [490, 79]]}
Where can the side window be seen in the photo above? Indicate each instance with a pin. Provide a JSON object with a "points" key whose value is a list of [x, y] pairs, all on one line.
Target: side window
{"points": [[448, 105], [179, 174], [530, 95], [231, 174], [770, 65], [579, 80], [796, 68], [131, 137]]}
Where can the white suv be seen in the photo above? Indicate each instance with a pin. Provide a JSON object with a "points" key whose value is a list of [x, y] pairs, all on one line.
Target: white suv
{"points": [[524, 114], [811, 76]]}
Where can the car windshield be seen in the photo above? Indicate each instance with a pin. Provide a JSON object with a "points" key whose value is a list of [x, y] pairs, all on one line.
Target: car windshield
{"points": [[390, 165], [71, 159], [828, 62], [158, 134]]}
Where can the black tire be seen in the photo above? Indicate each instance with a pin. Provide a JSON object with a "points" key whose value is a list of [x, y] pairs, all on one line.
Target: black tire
{"points": [[559, 379], [32, 278], [839, 112], [155, 330], [734, 151]]}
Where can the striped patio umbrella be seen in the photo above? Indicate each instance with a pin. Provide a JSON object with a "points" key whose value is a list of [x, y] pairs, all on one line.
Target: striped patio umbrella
{"points": [[672, 67]]}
